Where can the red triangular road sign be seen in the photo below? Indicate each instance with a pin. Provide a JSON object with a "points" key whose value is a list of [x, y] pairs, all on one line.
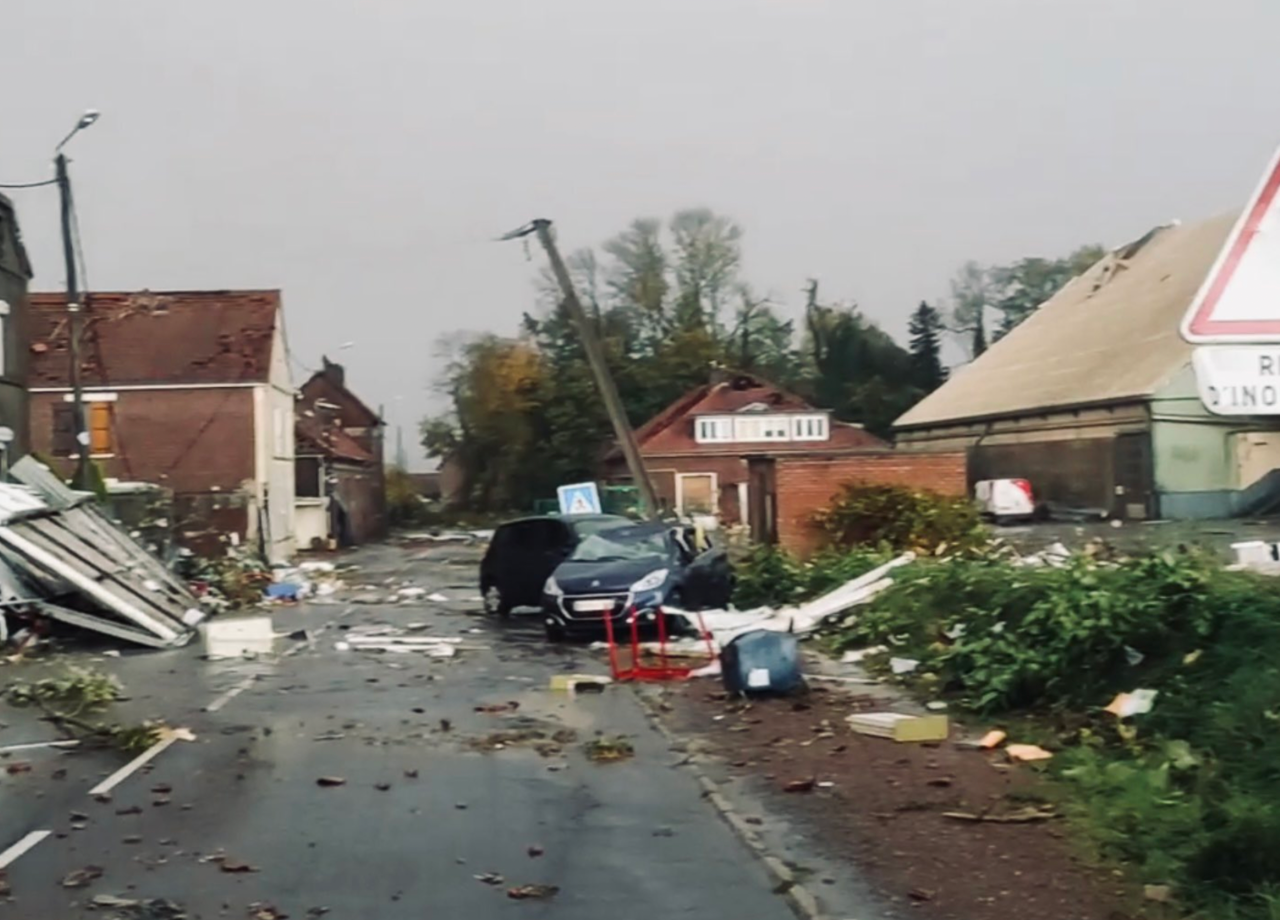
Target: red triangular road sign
{"points": [[1239, 300]]}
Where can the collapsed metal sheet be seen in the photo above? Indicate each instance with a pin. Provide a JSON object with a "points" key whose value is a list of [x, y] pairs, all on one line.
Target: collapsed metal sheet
{"points": [[63, 544]]}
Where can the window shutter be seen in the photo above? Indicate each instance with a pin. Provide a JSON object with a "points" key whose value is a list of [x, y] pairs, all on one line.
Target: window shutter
{"points": [[64, 430], [100, 427]]}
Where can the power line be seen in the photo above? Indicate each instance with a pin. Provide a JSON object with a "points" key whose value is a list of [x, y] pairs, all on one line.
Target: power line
{"points": [[28, 184]]}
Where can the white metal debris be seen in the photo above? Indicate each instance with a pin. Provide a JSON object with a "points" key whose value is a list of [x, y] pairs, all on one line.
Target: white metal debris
{"points": [[725, 624], [77, 566]]}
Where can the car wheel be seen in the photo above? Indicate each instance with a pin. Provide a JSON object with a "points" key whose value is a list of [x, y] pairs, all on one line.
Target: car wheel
{"points": [[494, 603]]}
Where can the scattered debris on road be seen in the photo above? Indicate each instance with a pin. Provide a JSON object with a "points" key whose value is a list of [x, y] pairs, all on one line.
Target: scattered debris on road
{"points": [[238, 637], [532, 892], [489, 878], [330, 781], [608, 750], [535, 851], [138, 909], [82, 878], [574, 683], [260, 910], [800, 785]]}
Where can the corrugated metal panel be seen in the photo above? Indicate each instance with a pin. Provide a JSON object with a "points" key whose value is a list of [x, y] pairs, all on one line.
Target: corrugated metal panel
{"points": [[76, 551]]}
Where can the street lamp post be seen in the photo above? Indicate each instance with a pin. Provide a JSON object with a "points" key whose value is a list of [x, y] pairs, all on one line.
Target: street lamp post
{"points": [[74, 311]]}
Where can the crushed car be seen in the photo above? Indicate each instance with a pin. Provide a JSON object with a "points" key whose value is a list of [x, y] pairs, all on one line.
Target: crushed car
{"points": [[646, 567]]}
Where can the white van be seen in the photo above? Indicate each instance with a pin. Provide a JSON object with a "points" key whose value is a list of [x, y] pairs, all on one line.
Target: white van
{"points": [[1005, 500]]}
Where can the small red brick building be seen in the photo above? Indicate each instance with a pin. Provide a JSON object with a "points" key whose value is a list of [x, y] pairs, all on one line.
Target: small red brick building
{"points": [[751, 453], [340, 474], [189, 390]]}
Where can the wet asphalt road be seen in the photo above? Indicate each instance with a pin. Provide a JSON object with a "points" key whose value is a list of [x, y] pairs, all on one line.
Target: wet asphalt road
{"points": [[628, 840]]}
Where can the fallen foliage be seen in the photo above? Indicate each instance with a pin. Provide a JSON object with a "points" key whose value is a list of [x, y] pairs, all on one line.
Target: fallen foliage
{"points": [[608, 750]]}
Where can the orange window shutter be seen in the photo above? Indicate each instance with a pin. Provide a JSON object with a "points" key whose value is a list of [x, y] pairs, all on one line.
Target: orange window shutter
{"points": [[100, 427]]}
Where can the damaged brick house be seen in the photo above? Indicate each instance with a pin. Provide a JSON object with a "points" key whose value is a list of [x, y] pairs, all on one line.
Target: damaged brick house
{"points": [[189, 390], [340, 475]]}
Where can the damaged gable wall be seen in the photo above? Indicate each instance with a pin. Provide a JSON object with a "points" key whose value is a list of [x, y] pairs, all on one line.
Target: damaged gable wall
{"points": [[15, 272]]}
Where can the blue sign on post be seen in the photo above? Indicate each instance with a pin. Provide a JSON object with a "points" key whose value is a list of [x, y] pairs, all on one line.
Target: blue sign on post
{"points": [[579, 498]]}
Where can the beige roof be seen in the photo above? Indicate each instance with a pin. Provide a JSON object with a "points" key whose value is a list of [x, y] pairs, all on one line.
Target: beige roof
{"points": [[1109, 335]]}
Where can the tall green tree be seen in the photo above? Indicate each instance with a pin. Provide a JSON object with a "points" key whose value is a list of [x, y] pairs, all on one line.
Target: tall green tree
{"points": [[926, 328], [856, 369], [1026, 284]]}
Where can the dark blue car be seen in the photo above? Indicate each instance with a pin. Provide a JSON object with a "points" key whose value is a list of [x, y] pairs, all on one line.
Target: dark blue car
{"points": [[646, 566]]}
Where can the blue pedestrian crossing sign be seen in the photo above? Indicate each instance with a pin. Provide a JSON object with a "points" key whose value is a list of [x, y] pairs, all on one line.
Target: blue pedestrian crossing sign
{"points": [[579, 498]]}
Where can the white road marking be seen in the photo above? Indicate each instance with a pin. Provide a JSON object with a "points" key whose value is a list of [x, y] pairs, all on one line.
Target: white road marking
{"points": [[132, 766], [32, 745], [227, 697], [11, 855]]}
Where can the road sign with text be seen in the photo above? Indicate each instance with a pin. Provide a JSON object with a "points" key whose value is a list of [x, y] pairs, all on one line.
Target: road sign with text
{"points": [[1238, 379]]}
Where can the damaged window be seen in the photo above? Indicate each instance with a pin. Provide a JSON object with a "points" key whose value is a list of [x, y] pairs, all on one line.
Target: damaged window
{"points": [[306, 471]]}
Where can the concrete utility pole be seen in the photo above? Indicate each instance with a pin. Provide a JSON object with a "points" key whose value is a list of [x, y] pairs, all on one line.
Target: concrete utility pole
{"points": [[74, 314], [599, 366], [74, 311]]}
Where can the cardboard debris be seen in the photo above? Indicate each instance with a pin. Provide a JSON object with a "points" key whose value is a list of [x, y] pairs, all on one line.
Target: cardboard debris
{"points": [[1027, 752], [1134, 703], [993, 739], [899, 726]]}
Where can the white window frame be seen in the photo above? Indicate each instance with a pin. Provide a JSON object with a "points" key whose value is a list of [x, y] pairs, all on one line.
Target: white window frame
{"points": [[712, 429], [810, 428], [715, 491]]}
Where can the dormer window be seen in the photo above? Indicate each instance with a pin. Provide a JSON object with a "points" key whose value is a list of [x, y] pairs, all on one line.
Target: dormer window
{"points": [[761, 426]]}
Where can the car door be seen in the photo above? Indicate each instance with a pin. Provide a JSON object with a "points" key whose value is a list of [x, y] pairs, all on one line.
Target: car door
{"points": [[544, 545], [708, 576]]}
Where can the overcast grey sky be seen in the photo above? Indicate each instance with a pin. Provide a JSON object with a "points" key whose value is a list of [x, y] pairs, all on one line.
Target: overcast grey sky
{"points": [[359, 154]]}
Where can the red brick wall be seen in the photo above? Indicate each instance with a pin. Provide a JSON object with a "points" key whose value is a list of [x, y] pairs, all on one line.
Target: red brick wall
{"points": [[807, 485], [197, 440]]}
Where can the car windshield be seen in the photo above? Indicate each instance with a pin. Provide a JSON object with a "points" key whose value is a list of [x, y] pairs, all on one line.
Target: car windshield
{"points": [[622, 543], [585, 528]]}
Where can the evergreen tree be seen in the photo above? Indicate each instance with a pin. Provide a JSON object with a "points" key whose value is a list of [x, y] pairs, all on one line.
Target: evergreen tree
{"points": [[926, 329]]}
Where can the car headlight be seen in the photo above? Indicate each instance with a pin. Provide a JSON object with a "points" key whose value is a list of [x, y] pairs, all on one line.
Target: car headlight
{"points": [[552, 587], [651, 582]]}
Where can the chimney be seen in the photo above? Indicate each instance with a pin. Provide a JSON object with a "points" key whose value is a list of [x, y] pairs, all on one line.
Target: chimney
{"points": [[333, 372]]}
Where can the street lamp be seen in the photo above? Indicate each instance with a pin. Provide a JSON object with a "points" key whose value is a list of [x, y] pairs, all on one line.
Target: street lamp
{"points": [[81, 479]]}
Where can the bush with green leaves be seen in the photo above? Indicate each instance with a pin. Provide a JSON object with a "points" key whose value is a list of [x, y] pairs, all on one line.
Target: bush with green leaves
{"points": [[898, 518]]}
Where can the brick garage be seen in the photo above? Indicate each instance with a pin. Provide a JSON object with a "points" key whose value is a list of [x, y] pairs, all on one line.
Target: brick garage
{"points": [[805, 485]]}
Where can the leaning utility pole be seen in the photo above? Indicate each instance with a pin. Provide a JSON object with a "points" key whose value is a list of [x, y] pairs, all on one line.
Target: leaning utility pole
{"points": [[599, 367], [74, 314]]}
